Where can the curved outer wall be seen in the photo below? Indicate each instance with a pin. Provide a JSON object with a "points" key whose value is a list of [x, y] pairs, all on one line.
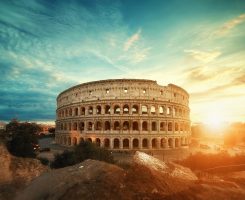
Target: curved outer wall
{"points": [[124, 114]]}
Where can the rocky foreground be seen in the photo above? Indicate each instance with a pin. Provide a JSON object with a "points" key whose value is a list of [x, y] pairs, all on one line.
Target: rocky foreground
{"points": [[144, 177]]}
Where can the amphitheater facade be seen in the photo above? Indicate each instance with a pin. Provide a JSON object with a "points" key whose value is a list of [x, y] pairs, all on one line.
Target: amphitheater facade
{"points": [[124, 114]]}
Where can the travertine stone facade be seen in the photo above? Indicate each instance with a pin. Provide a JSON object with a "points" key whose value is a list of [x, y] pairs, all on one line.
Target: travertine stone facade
{"points": [[124, 114]]}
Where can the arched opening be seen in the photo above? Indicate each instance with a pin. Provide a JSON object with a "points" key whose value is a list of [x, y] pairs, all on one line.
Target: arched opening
{"points": [[144, 126], [181, 126], [89, 140], [126, 143], [170, 127], [82, 111], [65, 126], [98, 126], [117, 109], [135, 126], [69, 126], [65, 141], [81, 126], [90, 110], [76, 111], [176, 142], [163, 143], [125, 125], [175, 112], [90, 126], [145, 143], [153, 110], [70, 112], [74, 141], [116, 125], [75, 126], [135, 143], [153, 126], [162, 126], [67, 113], [161, 110], [176, 128], [154, 143], [144, 110], [180, 112], [116, 143], [135, 109], [107, 125], [81, 140], [62, 126], [169, 111], [97, 142], [98, 110], [170, 143], [125, 109], [69, 141], [107, 109], [106, 143]]}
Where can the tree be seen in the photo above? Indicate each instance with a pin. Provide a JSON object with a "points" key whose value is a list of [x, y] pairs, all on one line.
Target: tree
{"points": [[51, 130], [22, 138]]}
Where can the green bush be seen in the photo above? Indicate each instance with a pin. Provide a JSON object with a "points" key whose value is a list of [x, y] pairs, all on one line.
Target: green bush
{"points": [[44, 161], [85, 150]]}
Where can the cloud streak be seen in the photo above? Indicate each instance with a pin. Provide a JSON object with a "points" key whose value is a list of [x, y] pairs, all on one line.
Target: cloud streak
{"points": [[132, 40]]}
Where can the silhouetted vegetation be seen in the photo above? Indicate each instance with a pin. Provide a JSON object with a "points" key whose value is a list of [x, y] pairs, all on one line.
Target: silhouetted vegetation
{"points": [[21, 138], [85, 150], [202, 161]]}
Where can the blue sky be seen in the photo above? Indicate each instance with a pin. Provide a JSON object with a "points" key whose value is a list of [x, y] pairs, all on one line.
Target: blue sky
{"points": [[48, 46]]}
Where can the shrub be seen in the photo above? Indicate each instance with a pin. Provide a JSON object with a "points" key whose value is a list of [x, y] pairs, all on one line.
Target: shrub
{"points": [[44, 161], [85, 150]]}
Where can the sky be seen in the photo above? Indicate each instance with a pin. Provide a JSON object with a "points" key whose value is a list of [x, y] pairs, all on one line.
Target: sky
{"points": [[49, 46]]}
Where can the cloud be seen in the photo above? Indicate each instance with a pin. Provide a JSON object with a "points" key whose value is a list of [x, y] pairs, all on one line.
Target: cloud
{"points": [[203, 56], [130, 41], [230, 25]]}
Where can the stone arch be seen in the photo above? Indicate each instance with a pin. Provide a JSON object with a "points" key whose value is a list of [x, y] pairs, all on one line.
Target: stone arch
{"points": [[116, 125], [144, 109], [90, 110], [145, 143], [97, 142], [90, 126], [75, 126], [65, 141], [154, 143], [160, 110], [117, 109], [69, 141], [106, 143], [163, 143], [170, 143], [176, 126], [169, 111], [107, 125], [125, 109], [176, 142], [135, 109], [135, 143], [116, 143], [74, 141], [81, 126], [135, 126], [82, 110], [107, 109], [76, 111], [98, 126], [144, 126], [70, 112], [125, 143], [69, 126], [170, 126], [162, 126], [153, 126], [81, 140], [126, 125], [98, 110], [89, 140], [65, 126], [153, 110]]}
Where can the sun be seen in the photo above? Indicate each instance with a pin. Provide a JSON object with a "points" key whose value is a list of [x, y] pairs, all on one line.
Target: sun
{"points": [[215, 121]]}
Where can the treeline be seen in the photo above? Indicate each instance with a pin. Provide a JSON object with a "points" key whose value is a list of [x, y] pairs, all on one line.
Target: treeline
{"points": [[201, 161]]}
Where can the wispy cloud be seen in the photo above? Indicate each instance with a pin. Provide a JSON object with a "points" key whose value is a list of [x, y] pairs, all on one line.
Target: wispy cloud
{"points": [[130, 41], [203, 56], [228, 26]]}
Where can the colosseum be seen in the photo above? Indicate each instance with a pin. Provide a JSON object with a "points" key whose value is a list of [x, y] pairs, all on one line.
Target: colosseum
{"points": [[124, 114]]}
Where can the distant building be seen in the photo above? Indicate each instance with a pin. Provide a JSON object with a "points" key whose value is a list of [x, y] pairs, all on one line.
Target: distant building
{"points": [[235, 134], [2, 126], [45, 128]]}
